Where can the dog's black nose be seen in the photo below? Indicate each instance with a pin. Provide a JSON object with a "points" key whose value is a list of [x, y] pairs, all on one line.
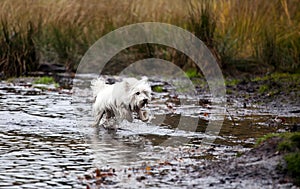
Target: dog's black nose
{"points": [[145, 101]]}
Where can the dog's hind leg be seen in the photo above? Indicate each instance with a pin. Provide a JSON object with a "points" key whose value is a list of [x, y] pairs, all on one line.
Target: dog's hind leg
{"points": [[98, 118], [109, 114]]}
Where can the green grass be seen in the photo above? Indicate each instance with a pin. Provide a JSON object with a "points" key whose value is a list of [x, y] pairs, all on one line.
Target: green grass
{"points": [[232, 82], [192, 73], [263, 89], [293, 166], [294, 138], [266, 137], [45, 80], [61, 31], [158, 89], [279, 77], [290, 145], [17, 49], [278, 82]]}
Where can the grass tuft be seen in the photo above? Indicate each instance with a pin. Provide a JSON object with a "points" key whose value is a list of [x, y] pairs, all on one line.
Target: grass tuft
{"points": [[266, 137], [17, 49], [258, 32], [293, 166], [158, 89], [45, 80], [192, 73], [290, 145]]}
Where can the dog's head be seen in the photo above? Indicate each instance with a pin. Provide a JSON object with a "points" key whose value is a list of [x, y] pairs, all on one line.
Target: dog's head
{"points": [[139, 92]]}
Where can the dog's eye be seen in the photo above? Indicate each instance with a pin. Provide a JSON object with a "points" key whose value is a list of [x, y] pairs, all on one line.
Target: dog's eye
{"points": [[137, 93]]}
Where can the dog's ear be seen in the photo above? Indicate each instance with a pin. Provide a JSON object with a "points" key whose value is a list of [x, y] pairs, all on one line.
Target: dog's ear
{"points": [[127, 86], [144, 79]]}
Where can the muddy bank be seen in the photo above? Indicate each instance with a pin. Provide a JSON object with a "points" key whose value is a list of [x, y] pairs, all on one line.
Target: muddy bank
{"points": [[261, 167], [257, 168], [275, 91]]}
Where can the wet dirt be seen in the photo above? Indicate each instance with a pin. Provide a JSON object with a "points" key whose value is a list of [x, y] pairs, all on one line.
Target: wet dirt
{"points": [[45, 143]]}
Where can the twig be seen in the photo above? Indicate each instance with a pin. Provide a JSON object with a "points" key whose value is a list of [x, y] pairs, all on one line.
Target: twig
{"points": [[233, 121]]}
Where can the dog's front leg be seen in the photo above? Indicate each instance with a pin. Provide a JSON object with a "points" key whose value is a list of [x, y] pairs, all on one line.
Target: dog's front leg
{"points": [[126, 114], [98, 118], [129, 116]]}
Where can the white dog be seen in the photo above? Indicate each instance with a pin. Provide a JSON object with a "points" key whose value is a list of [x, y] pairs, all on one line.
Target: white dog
{"points": [[121, 99]]}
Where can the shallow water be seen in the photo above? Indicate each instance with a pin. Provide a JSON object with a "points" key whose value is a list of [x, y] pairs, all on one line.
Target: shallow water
{"points": [[45, 143]]}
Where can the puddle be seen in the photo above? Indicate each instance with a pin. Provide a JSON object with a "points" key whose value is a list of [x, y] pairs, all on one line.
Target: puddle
{"points": [[45, 143]]}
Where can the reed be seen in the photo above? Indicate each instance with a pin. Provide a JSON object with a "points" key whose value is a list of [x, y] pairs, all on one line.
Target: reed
{"points": [[237, 32], [17, 49]]}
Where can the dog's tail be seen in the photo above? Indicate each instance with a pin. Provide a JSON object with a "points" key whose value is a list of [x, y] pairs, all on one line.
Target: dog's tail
{"points": [[97, 85]]}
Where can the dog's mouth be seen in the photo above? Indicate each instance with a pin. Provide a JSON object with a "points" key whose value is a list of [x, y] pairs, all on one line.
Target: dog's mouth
{"points": [[135, 108], [143, 103], [143, 115], [140, 105]]}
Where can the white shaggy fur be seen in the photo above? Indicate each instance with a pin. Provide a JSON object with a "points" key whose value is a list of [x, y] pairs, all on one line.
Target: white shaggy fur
{"points": [[121, 99]]}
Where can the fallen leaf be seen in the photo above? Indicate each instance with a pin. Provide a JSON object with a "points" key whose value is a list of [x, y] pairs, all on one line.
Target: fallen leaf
{"points": [[98, 173]]}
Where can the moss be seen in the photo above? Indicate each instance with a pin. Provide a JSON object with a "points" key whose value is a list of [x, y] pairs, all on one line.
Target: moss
{"points": [[56, 85], [285, 145], [192, 73], [232, 82], [276, 83], [285, 77], [292, 137], [279, 77], [295, 138], [263, 89], [229, 91], [266, 137], [158, 89], [45, 80], [239, 154], [291, 142], [290, 145], [293, 166], [201, 82]]}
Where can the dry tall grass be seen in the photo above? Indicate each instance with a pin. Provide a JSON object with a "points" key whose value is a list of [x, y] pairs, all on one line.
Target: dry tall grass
{"points": [[265, 32]]}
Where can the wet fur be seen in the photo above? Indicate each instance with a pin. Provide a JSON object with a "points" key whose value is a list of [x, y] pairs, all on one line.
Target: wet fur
{"points": [[121, 99]]}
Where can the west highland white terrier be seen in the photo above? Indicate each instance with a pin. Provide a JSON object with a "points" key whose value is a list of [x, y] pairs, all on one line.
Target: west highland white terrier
{"points": [[121, 99]]}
